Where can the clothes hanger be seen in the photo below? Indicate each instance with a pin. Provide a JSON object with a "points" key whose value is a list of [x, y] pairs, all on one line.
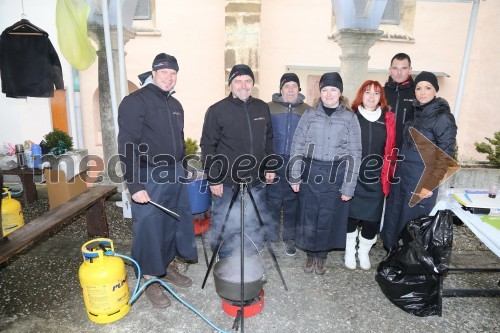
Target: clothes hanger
{"points": [[25, 27]]}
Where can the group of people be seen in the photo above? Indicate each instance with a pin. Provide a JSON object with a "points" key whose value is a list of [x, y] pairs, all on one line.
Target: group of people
{"points": [[324, 170]]}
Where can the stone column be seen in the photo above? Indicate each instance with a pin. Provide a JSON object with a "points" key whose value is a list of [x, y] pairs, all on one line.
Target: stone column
{"points": [[109, 143], [243, 37], [355, 44]]}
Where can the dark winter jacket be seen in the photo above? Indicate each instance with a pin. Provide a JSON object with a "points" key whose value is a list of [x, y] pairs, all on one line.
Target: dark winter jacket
{"points": [[400, 97], [285, 117], [232, 129], [151, 124], [324, 138], [435, 121], [29, 65]]}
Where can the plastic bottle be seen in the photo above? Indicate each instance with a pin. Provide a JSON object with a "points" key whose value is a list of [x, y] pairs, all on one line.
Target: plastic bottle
{"points": [[36, 152]]}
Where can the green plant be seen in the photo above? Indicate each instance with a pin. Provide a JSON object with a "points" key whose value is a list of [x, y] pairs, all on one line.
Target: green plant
{"points": [[191, 150], [191, 146], [58, 138], [492, 149]]}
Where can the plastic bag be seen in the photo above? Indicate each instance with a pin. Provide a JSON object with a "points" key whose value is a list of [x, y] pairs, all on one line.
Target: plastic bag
{"points": [[409, 275], [8, 158], [8, 149], [71, 22], [8, 162]]}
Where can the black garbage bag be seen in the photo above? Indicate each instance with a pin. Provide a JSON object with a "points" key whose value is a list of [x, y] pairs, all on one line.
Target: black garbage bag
{"points": [[409, 275], [426, 245], [415, 294]]}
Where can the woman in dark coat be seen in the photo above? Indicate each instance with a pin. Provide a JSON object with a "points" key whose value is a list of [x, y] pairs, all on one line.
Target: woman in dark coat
{"points": [[378, 140], [328, 141], [415, 194]]}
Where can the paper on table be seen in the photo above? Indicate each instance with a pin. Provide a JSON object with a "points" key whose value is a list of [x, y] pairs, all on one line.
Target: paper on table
{"points": [[477, 199], [494, 221]]}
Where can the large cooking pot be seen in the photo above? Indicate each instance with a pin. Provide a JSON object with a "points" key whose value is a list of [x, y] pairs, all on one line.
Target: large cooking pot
{"points": [[227, 277]]}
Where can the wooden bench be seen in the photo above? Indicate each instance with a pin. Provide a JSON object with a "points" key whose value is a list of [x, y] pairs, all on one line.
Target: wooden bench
{"points": [[29, 186], [91, 202]]}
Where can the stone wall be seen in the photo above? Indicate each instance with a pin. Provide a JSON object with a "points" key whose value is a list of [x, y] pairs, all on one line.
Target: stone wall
{"points": [[242, 37], [473, 177]]}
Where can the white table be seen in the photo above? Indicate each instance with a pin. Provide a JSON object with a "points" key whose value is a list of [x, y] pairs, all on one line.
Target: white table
{"points": [[489, 235], [486, 233]]}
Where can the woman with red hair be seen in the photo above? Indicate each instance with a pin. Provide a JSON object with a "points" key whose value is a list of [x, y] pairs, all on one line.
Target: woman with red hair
{"points": [[378, 139]]}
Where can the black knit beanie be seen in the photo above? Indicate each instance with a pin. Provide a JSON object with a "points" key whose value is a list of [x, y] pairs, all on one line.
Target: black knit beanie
{"points": [[428, 77], [332, 79], [164, 60], [238, 70], [289, 77]]}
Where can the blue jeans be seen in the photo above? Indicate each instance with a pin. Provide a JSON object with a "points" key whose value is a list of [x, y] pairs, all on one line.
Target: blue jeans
{"points": [[231, 238]]}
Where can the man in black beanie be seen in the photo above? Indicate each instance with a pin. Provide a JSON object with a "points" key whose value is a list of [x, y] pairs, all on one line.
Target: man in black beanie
{"points": [[161, 61], [151, 147], [237, 136], [239, 70], [287, 107]]}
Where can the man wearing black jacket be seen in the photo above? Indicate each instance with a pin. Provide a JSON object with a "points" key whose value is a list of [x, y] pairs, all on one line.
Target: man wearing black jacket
{"points": [[400, 92], [237, 136], [151, 147]]}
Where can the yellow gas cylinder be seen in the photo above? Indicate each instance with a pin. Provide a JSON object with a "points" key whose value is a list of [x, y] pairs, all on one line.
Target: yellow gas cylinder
{"points": [[12, 216], [104, 282]]}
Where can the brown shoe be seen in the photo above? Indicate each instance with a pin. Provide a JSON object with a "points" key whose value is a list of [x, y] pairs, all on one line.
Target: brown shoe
{"points": [[156, 295], [320, 266], [174, 277], [309, 265]]}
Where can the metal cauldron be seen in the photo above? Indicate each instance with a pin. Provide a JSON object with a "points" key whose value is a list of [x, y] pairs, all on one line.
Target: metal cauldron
{"points": [[227, 277]]}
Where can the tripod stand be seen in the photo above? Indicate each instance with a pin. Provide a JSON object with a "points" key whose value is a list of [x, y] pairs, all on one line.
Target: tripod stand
{"points": [[242, 188]]}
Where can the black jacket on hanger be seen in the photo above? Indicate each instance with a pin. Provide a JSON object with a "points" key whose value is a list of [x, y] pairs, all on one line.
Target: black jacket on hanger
{"points": [[29, 64]]}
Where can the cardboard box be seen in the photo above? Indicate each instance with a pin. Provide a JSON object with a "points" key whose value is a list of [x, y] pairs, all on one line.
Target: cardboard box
{"points": [[59, 189], [72, 163]]}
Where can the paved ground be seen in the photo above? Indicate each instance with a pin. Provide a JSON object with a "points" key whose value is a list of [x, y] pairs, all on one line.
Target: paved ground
{"points": [[40, 292]]}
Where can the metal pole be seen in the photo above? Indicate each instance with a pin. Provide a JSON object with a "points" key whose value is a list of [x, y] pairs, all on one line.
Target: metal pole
{"points": [[465, 62], [125, 203], [121, 52], [242, 256]]}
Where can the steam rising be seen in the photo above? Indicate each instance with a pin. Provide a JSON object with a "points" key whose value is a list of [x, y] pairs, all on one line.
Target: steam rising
{"points": [[229, 269]]}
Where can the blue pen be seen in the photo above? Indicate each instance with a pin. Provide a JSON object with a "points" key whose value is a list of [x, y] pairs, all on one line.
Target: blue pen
{"points": [[466, 195]]}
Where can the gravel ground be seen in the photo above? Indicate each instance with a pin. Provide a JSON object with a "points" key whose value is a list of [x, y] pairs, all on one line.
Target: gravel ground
{"points": [[40, 292]]}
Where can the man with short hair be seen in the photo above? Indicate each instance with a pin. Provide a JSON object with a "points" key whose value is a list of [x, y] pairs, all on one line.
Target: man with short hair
{"points": [[287, 106], [400, 92], [237, 136], [151, 147]]}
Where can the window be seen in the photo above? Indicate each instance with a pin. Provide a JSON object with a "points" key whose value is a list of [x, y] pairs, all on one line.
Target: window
{"points": [[144, 18], [391, 13], [143, 10]]}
